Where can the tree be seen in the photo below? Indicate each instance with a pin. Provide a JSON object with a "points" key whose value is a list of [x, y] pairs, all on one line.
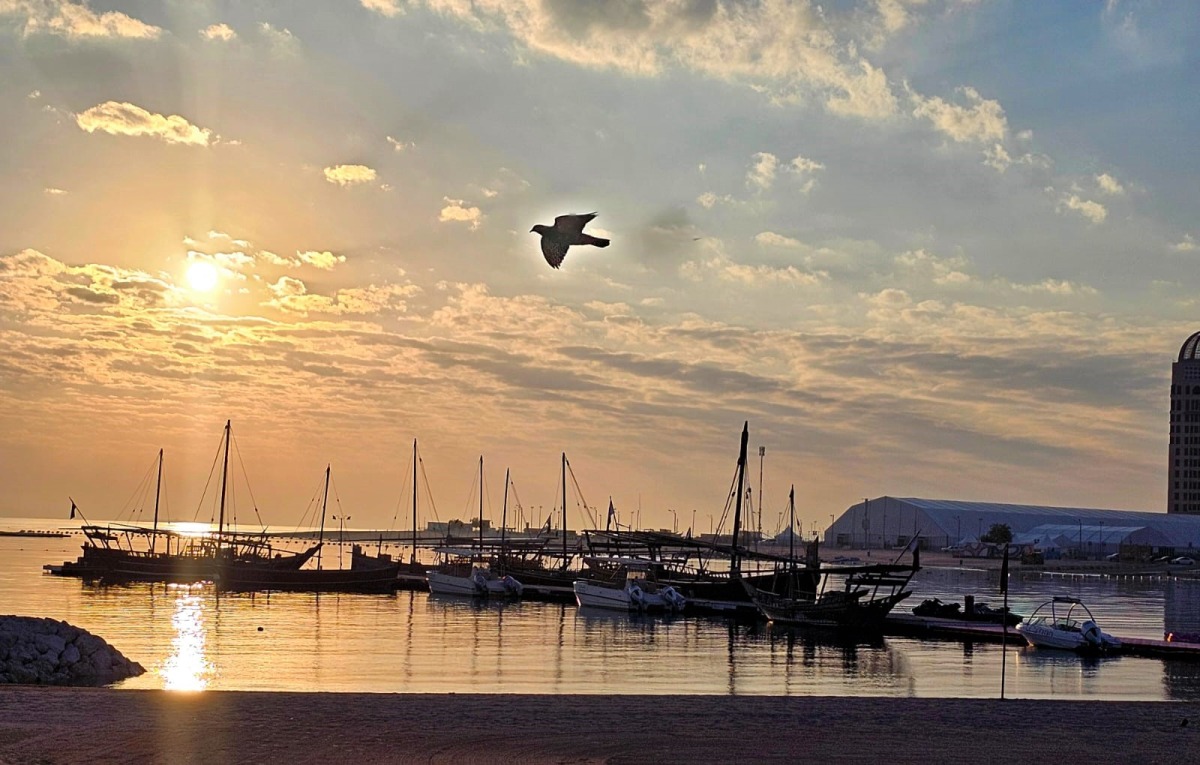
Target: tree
{"points": [[999, 533]]}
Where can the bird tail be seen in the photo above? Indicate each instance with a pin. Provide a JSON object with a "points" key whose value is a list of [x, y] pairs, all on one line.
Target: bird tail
{"points": [[589, 239]]}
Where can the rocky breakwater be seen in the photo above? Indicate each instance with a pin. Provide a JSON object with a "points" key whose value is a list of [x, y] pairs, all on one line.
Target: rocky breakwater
{"points": [[37, 651]]}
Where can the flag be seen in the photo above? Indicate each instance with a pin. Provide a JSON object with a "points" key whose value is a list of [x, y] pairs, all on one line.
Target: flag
{"points": [[546, 528], [1004, 572], [72, 508], [612, 511]]}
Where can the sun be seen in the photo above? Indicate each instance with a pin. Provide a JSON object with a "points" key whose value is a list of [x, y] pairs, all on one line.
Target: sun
{"points": [[202, 276]]}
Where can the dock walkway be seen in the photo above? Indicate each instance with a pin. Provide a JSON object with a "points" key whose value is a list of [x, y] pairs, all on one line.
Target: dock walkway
{"points": [[934, 628]]}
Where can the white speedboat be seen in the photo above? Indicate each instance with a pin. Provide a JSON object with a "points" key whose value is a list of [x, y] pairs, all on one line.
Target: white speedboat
{"points": [[1066, 623], [635, 591], [475, 582]]}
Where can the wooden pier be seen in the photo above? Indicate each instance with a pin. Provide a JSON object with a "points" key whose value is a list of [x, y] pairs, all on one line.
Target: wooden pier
{"points": [[934, 628]]}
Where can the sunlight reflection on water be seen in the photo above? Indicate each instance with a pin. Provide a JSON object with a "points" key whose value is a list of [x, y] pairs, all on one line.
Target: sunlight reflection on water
{"points": [[187, 668]]}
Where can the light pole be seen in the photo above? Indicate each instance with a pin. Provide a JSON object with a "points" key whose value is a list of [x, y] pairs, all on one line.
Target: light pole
{"points": [[866, 522], [883, 523], [674, 521], [341, 519]]}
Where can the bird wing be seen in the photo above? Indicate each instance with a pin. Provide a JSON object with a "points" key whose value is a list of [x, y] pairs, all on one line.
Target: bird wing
{"points": [[573, 224], [554, 252]]}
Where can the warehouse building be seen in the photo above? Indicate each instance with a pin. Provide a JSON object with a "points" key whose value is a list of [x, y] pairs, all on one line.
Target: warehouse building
{"points": [[1074, 532]]}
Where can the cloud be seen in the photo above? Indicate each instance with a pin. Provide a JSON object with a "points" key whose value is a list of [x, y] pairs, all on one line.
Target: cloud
{"points": [[349, 175], [75, 21], [222, 32], [1109, 185], [399, 145], [803, 166], [323, 260], [771, 239], [1187, 244], [127, 119], [786, 49], [1060, 287], [53, 192], [867, 95], [709, 200], [281, 39], [762, 173], [1093, 211], [387, 8], [980, 120], [457, 210], [939, 270], [715, 263]]}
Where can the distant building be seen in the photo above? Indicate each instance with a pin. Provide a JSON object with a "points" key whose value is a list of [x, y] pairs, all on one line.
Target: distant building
{"points": [[1078, 532], [1183, 473]]}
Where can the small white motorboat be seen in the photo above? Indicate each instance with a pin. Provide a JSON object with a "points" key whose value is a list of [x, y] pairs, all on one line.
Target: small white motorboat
{"points": [[1066, 623], [636, 591], [475, 580]]}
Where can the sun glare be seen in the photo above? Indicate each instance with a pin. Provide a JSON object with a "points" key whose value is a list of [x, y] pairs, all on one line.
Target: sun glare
{"points": [[202, 276]]}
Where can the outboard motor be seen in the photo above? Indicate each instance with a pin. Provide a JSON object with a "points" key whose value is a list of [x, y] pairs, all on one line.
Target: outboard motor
{"points": [[673, 598], [1091, 633], [636, 596], [512, 586], [479, 579]]}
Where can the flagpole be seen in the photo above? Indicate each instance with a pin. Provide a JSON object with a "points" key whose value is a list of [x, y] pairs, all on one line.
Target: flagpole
{"points": [[75, 509]]}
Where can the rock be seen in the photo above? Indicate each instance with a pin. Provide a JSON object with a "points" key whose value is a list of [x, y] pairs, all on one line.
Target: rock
{"points": [[70, 655], [50, 652]]}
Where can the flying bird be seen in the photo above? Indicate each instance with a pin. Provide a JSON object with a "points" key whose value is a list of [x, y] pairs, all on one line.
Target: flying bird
{"points": [[566, 231]]}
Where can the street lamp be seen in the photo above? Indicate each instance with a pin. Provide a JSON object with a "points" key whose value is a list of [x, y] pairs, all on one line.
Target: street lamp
{"points": [[340, 519], [674, 520], [866, 522]]}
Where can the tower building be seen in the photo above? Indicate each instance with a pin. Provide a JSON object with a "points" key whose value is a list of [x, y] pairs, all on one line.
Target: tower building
{"points": [[1183, 473]]}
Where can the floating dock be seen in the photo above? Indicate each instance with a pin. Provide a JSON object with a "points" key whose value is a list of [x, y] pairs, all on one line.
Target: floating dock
{"points": [[935, 628]]}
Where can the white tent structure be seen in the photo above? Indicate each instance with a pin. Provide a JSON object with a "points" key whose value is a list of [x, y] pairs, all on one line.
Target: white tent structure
{"points": [[1084, 532]]}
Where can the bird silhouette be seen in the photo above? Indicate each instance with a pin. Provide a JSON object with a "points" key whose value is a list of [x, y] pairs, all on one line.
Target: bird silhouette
{"points": [[566, 231]]}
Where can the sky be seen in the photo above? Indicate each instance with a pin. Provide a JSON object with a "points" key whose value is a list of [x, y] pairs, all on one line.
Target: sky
{"points": [[932, 248]]}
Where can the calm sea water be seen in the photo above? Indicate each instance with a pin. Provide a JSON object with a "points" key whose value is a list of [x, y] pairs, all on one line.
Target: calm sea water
{"points": [[190, 638]]}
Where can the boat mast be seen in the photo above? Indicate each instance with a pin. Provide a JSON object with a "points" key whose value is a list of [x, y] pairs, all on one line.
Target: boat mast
{"points": [[157, 492], [321, 533], [504, 511], [224, 482], [480, 518], [564, 517], [414, 546], [792, 527], [735, 561]]}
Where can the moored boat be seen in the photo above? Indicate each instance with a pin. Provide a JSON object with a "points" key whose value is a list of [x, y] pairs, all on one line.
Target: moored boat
{"points": [[465, 572], [630, 587], [1066, 623]]}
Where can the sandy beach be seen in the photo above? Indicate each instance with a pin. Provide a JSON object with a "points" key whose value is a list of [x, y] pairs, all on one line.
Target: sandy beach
{"points": [[52, 725]]}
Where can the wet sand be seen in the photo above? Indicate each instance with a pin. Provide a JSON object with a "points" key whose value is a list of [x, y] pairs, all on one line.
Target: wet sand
{"points": [[52, 725]]}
